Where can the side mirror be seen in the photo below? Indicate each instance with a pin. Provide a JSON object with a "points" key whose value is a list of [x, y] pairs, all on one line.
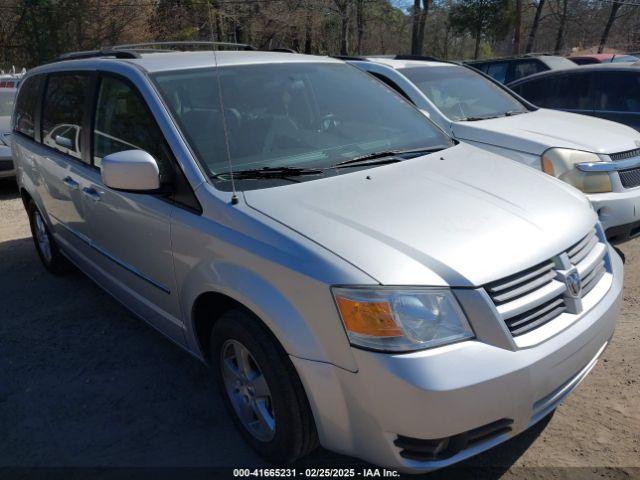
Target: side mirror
{"points": [[131, 171], [63, 141]]}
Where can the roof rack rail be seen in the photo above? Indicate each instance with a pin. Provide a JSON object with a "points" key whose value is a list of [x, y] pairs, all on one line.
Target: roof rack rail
{"points": [[426, 58], [146, 46], [350, 57], [107, 52]]}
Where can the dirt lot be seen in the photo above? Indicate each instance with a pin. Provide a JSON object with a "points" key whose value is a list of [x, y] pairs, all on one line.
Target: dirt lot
{"points": [[85, 385]]}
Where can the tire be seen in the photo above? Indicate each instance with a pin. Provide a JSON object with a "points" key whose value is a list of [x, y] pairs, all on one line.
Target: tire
{"points": [[284, 400], [47, 248]]}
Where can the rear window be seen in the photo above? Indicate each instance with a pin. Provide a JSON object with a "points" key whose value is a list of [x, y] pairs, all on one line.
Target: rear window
{"points": [[25, 111], [63, 110]]}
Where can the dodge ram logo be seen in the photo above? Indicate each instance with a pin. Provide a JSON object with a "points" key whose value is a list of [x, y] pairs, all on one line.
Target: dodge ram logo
{"points": [[574, 284]]}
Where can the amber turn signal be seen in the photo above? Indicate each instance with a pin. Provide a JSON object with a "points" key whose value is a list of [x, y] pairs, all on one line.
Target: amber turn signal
{"points": [[368, 318]]}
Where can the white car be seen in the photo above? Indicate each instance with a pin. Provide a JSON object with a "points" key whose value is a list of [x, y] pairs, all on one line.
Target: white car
{"points": [[599, 157], [7, 96]]}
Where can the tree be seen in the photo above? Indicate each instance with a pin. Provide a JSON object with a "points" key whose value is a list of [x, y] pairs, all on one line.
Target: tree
{"points": [[481, 18], [517, 27], [561, 27], [419, 16], [615, 6], [534, 26]]}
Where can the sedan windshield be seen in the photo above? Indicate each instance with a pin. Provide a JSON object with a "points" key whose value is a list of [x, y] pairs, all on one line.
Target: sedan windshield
{"points": [[291, 115], [6, 102], [462, 94]]}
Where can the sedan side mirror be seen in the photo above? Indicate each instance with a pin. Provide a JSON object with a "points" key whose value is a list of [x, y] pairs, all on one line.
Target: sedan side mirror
{"points": [[132, 171]]}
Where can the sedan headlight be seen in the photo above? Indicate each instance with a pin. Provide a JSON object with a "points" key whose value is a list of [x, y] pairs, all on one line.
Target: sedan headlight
{"points": [[401, 319], [5, 138], [561, 163]]}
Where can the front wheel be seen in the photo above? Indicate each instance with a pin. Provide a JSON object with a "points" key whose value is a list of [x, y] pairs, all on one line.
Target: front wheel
{"points": [[46, 246], [261, 389]]}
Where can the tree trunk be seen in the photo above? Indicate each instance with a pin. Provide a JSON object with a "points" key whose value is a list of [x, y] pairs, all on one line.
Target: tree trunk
{"points": [[359, 25], [612, 18], [418, 25], [534, 27], [518, 28], [343, 12], [307, 31], [563, 23]]}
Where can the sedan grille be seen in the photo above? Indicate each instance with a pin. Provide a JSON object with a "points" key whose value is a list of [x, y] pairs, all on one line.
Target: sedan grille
{"points": [[625, 155], [630, 178], [533, 297]]}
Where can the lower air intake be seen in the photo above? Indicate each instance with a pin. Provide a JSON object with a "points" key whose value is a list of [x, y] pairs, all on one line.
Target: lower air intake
{"points": [[443, 448]]}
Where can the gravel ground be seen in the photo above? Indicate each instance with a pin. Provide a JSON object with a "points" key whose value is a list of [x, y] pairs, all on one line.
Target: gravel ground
{"points": [[84, 385]]}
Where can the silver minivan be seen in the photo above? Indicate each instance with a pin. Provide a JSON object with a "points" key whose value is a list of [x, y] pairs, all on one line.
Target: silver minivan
{"points": [[355, 277]]}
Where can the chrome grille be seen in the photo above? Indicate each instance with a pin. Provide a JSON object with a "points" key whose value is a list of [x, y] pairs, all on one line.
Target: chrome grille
{"points": [[625, 155], [630, 178], [535, 296]]}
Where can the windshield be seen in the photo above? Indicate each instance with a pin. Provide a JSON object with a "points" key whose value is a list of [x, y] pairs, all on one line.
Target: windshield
{"points": [[462, 94], [305, 115], [6, 102]]}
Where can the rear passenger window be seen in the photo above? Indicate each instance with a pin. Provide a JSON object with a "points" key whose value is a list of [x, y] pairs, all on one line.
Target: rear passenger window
{"points": [[123, 123], [25, 110], [535, 91], [524, 68], [498, 71], [618, 92], [63, 110]]}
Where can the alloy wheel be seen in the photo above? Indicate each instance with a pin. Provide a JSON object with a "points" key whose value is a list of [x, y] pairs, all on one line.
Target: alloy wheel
{"points": [[247, 390], [42, 237]]}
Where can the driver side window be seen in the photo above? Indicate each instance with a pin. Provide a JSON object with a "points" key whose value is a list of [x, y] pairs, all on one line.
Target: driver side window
{"points": [[122, 122]]}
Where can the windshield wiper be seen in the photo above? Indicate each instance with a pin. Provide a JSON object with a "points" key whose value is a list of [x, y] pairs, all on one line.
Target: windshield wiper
{"points": [[267, 172], [386, 156], [489, 117]]}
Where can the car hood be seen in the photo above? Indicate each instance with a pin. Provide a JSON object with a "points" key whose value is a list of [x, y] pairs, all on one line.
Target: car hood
{"points": [[461, 217], [535, 132]]}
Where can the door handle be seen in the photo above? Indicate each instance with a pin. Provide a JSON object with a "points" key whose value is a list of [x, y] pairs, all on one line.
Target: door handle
{"points": [[91, 193], [71, 183]]}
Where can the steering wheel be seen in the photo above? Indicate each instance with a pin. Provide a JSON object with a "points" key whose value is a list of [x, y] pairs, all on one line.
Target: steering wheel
{"points": [[330, 122]]}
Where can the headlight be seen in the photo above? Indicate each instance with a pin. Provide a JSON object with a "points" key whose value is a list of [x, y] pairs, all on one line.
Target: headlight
{"points": [[5, 138], [393, 319], [561, 163]]}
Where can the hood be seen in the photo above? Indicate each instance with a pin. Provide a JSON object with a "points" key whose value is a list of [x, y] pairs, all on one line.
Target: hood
{"points": [[460, 217], [535, 132]]}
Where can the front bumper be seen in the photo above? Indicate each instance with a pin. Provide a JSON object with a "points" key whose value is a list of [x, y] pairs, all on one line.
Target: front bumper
{"points": [[619, 213], [452, 391]]}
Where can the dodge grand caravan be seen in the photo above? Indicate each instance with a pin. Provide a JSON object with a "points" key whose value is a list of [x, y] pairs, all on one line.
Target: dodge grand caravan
{"points": [[600, 158], [353, 275]]}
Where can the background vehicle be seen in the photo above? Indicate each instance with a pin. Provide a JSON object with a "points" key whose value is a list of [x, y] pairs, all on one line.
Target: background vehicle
{"points": [[7, 98], [284, 263], [606, 91], [474, 109], [506, 70], [603, 58]]}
